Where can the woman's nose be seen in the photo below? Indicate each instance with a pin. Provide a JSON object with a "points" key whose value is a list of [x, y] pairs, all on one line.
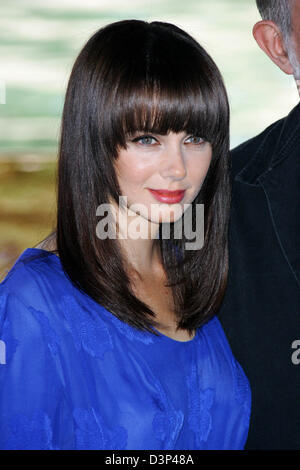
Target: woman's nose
{"points": [[173, 164]]}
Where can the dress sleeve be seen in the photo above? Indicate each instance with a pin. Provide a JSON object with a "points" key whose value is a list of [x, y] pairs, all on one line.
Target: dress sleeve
{"points": [[32, 401]]}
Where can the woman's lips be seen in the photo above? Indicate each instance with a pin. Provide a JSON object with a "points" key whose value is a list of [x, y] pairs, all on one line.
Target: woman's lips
{"points": [[168, 197]]}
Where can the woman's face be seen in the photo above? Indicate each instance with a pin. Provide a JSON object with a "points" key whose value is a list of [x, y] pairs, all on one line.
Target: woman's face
{"points": [[154, 162]]}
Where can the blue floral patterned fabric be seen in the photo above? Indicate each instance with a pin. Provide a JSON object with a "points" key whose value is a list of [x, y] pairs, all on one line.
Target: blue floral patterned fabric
{"points": [[73, 376]]}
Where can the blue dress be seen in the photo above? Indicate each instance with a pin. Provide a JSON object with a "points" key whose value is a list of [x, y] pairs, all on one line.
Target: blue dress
{"points": [[73, 376]]}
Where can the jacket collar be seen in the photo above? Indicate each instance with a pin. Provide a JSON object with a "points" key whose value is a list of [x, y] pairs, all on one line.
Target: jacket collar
{"points": [[276, 145]]}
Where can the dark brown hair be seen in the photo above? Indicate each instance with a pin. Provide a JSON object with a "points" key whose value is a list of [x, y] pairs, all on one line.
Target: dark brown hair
{"points": [[134, 76]]}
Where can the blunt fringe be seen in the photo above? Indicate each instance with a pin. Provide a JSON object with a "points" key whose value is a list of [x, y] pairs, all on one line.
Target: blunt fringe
{"points": [[134, 76]]}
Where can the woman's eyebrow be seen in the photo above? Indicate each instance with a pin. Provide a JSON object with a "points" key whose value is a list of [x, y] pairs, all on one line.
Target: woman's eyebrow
{"points": [[130, 135], [149, 131]]}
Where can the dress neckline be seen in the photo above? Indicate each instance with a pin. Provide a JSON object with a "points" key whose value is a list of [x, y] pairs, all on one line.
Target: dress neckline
{"points": [[169, 339], [49, 253]]}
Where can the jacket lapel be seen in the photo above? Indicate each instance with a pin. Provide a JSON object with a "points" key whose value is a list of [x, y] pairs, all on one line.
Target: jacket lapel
{"points": [[276, 168]]}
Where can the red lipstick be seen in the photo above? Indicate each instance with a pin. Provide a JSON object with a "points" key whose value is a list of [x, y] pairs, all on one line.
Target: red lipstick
{"points": [[168, 197]]}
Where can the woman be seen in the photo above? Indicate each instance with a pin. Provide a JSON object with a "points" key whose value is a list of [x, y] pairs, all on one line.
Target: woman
{"points": [[111, 339]]}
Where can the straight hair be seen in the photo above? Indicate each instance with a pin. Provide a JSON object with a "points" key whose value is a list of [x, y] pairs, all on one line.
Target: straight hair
{"points": [[137, 76]]}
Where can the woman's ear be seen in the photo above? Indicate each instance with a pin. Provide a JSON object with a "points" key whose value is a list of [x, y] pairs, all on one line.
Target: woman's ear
{"points": [[269, 38]]}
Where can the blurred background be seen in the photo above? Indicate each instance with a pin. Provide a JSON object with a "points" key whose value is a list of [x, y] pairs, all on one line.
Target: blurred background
{"points": [[39, 41]]}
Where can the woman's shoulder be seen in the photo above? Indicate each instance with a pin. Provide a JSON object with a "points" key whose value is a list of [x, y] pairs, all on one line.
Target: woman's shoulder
{"points": [[35, 276], [38, 280], [38, 300], [32, 296]]}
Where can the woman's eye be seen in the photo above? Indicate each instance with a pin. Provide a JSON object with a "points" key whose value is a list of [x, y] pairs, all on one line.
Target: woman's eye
{"points": [[193, 139], [145, 140]]}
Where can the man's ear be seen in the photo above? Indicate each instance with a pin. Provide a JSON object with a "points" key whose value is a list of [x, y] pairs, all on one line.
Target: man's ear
{"points": [[269, 38]]}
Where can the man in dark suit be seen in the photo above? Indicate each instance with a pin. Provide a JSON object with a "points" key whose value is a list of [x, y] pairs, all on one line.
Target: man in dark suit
{"points": [[261, 309]]}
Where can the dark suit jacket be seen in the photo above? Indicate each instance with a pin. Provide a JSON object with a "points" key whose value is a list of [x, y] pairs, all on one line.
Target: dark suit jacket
{"points": [[261, 309]]}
